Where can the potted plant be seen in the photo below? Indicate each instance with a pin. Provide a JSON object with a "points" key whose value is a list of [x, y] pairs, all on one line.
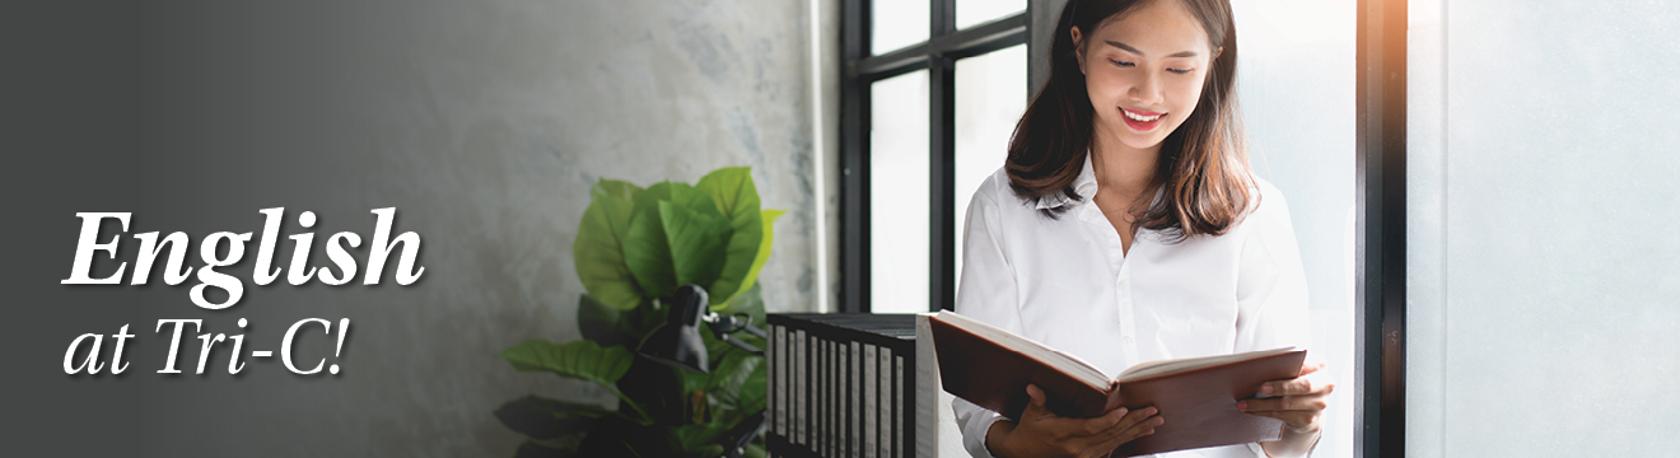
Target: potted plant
{"points": [[636, 251]]}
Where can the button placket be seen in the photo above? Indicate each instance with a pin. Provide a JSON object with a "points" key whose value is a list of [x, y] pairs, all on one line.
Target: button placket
{"points": [[1115, 253], [1127, 313]]}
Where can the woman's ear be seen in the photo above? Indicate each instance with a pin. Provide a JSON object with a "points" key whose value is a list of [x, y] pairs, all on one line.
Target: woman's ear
{"points": [[1078, 47], [1217, 52]]}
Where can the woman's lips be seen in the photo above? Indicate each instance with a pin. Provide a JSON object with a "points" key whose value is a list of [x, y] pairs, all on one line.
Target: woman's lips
{"points": [[1141, 121]]}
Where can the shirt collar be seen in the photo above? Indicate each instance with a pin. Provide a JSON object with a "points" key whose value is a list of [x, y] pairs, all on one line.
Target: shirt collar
{"points": [[1085, 185]]}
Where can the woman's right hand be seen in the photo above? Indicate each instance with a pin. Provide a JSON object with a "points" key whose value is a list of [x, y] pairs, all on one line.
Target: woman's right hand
{"points": [[1041, 433]]}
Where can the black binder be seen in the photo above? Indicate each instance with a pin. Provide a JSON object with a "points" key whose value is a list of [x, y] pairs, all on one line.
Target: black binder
{"points": [[818, 389]]}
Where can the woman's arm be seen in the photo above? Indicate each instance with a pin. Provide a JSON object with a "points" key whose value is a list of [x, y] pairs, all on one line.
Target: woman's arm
{"points": [[987, 293], [1272, 312], [1299, 402]]}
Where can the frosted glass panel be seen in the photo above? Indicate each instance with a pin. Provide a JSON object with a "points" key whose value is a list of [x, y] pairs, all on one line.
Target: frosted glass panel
{"points": [[991, 94], [1296, 80], [898, 194], [1542, 200], [898, 23], [973, 12]]}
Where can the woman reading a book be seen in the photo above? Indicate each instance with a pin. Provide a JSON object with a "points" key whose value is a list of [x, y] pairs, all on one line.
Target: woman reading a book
{"points": [[1126, 227]]}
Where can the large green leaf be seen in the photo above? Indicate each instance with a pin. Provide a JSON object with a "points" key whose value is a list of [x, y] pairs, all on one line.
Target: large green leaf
{"points": [[580, 359], [696, 238], [731, 377], [753, 393], [768, 218], [754, 450], [605, 324], [609, 326], [553, 424], [732, 190], [539, 449], [700, 439], [598, 250], [648, 249]]}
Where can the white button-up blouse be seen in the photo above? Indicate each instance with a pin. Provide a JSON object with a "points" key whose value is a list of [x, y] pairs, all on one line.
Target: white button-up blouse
{"points": [[1067, 283]]}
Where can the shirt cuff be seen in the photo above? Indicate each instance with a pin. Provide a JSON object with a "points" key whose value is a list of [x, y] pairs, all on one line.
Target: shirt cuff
{"points": [[1261, 452], [974, 433]]}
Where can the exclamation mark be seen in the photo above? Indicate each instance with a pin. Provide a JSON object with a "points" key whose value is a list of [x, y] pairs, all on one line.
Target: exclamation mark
{"points": [[343, 331]]}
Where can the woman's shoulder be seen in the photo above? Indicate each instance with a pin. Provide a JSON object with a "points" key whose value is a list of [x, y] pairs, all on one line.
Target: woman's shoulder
{"points": [[1267, 198], [996, 196], [1267, 206]]}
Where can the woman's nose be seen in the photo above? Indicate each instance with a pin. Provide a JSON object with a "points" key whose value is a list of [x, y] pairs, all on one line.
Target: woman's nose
{"points": [[1147, 92]]}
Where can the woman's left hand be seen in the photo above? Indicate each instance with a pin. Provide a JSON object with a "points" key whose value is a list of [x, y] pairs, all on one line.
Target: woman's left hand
{"points": [[1299, 402]]}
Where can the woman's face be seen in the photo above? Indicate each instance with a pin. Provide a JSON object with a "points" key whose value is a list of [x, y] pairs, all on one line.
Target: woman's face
{"points": [[1144, 71]]}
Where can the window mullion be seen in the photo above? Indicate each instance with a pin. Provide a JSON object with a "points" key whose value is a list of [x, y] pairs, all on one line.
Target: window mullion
{"points": [[942, 174], [854, 161]]}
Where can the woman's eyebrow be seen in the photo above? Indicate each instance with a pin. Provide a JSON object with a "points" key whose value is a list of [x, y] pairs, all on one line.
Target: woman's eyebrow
{"points": [[1132, 50]]}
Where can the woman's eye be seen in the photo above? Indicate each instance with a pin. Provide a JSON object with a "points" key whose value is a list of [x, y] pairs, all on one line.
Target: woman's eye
{"points": [[1121, 63], [1181, 71]]}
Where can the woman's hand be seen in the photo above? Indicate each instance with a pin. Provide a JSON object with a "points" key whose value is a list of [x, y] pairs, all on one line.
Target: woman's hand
{"points": [[1298, 401], [1042, 433]]}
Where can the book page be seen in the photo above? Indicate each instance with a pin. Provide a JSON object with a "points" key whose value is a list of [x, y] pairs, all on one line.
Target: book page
{"points": [[1168, 366]]}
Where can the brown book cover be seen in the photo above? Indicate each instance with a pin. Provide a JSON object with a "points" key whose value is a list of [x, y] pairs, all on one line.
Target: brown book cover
{"points": [[1197, 396]]}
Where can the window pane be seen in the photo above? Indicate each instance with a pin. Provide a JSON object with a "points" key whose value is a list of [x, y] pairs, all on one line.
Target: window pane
{"points": [[972, 12], [991, 94], [1540, 261], [898, 23], [1296, 80], [898, 194]]}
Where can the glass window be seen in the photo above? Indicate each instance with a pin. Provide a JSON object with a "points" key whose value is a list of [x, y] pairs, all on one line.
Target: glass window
{"points": [[991, 94], [1296, 80], [980, 81], [898, 193], [974, 12], [898, 23], [1541, 199]]}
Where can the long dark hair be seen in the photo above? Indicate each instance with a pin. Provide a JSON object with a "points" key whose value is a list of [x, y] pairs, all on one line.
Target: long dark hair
{"points": [[1202, 166]]}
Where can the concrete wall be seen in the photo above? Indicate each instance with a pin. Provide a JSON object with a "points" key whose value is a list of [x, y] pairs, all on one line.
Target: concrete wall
{"points": [[485, 123]]}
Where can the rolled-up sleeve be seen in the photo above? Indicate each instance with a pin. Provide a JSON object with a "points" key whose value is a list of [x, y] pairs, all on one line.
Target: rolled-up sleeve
{"points": [[987, 293], [1271, 287]]}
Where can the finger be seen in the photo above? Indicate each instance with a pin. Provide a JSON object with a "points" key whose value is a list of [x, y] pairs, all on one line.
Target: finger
{"points": [[1130, 431], [1292, 387], [1294, 419], [1134, 418], [1310, 368], [1302, 402], [1035, 398], [1128, 423], [1095, 426]]}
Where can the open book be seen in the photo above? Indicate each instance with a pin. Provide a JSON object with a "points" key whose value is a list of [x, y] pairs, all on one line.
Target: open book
{"points": [[991, 368]]}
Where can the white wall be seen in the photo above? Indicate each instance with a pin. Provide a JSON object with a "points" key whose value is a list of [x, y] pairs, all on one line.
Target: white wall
{"points": [[1542, 200]]}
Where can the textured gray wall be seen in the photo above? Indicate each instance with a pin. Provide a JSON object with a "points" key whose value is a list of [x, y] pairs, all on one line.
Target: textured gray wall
{"points": [[485, 123]]}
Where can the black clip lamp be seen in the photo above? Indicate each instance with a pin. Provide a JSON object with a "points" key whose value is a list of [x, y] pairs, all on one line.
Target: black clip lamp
{"points": [[678, 344]]}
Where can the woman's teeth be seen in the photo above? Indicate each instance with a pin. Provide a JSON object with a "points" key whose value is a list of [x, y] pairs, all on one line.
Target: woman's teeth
{"points": [[1138, 118]]}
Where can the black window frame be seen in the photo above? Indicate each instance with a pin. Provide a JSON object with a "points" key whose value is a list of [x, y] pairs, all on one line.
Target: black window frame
{"points": [[938, 54], [1380, 138]]}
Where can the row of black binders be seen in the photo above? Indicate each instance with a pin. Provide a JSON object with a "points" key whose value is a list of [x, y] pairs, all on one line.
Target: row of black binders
{"points": [[842, 385]]}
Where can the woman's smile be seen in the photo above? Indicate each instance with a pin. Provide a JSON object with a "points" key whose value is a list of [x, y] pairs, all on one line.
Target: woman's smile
{"points": [[1141, 121]]}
